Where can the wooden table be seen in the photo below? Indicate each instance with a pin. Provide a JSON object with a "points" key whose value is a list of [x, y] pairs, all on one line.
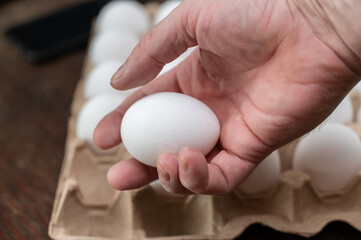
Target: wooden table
{"points": [[34, 107]]}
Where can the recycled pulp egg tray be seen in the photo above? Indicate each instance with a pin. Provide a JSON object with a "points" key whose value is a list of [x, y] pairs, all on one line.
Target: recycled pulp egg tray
{"points": [[86, 207]]}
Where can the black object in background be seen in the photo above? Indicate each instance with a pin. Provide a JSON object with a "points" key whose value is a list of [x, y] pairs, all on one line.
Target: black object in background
{"points": [[3, 1], [56, 33]]}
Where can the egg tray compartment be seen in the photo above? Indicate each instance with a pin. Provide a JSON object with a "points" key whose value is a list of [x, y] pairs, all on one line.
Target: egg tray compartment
{"points": [[85, 207]]}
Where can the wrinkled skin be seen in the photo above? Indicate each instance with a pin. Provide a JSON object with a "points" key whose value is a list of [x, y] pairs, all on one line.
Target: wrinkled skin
{"points": [[258, 66]]}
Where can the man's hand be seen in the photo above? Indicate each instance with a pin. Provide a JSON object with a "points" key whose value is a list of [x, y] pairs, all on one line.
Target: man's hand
{"points": [[258, 66]]}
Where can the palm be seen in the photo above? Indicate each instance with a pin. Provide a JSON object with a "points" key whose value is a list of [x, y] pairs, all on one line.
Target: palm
{"points": [[262, 90], [261, 69]]}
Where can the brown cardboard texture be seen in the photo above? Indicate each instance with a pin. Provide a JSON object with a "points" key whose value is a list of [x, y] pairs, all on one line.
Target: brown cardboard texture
{"points": [[85, 207]]}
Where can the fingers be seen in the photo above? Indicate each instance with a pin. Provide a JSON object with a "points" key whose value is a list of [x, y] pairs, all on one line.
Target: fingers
{"points": [[170, 178], [163, 44], [225, 172], [230, 170], [185, 173], [107, 132], [130, 174]]}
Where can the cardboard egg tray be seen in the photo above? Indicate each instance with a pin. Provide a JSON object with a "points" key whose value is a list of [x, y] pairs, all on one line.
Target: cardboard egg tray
{"points": [[86, 207]]}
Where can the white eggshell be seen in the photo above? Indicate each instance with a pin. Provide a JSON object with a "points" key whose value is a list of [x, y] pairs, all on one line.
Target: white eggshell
{"points": [[343, 113], [93, 111], [129, 16], [111, 45], [166, 122], [158, 188], [98, 80], [264, 177], [331, 156], [164, 9]]}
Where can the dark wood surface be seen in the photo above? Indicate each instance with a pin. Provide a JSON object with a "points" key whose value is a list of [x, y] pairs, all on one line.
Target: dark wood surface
{"points": [[34, 107]]}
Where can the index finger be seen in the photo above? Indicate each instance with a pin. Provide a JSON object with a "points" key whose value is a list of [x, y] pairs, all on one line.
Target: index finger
{"points": [[168, 40]]}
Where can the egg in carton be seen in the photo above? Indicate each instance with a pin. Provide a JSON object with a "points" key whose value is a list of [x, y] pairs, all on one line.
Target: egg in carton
{"points": [[85, 207]]}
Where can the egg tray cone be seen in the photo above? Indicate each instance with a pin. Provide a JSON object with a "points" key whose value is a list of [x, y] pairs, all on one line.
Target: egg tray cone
{"points": [[86, 207]]}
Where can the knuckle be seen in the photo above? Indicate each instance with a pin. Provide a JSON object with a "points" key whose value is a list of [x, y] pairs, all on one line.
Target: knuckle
{"points": [[195, 185]]}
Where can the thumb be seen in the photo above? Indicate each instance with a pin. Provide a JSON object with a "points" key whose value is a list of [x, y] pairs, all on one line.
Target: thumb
{"points": [[161, 45]]}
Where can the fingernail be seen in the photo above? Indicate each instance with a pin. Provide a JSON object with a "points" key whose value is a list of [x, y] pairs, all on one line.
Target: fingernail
{"points": [[183, 164], [118, 74], [163, 175]]}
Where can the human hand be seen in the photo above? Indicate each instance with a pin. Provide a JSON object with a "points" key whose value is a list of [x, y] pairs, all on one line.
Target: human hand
{"points": [[258, 66]]}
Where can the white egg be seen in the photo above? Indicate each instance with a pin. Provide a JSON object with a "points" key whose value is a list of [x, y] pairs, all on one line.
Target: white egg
{"points": [[111, 45], [98, 80], [264, 177], [331, 156], [159, 189], [164, 9], [129, 16], [92, 112], [343, 113], [166, 122]]}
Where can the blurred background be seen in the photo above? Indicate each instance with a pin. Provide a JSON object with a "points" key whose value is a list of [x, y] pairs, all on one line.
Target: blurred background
{"points": [[34, 108]]}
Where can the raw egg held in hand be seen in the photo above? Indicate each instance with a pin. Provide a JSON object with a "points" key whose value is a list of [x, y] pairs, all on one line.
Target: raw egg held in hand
{"points": [[166, 122], [331, 156], [264, 176]]}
